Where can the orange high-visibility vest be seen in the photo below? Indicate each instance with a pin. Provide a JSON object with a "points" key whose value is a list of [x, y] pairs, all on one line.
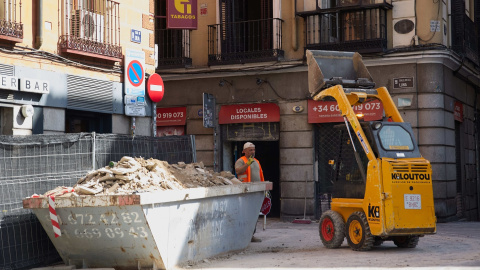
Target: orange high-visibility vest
{"points": [[245, 177]]}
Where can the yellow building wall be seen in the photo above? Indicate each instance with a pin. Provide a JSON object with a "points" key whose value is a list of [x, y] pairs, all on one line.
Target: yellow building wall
{"points": [[132, 13], [428, 11]]}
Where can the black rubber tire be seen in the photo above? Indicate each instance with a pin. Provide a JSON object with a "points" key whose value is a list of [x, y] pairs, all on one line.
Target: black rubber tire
{"points": [[409, 241], [358, 233], [331, 229], [378, 241]]}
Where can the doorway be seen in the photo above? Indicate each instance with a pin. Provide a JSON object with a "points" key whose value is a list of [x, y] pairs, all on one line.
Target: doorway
{"points": [[267, 153]]}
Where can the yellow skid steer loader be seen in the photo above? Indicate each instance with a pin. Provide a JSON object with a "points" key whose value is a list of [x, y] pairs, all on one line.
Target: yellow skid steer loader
{"points": [[388, 195]]}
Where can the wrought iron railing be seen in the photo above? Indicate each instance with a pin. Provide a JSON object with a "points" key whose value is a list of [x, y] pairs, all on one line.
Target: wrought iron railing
{"points": [[10, 28], [245, 41], [361, 30], [91, 28], [173, 48], [339, 4]]}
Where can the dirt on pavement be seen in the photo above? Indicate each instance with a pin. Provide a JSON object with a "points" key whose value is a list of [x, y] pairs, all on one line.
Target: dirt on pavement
{"points": [[456, 245]]}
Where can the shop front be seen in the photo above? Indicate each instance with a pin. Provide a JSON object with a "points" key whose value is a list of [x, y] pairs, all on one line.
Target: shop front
{"points": [[257, 123]]}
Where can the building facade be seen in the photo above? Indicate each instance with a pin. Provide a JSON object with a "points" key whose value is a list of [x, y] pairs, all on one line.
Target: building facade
{"points": [[62, 65], [241, 75], [245, 63]]}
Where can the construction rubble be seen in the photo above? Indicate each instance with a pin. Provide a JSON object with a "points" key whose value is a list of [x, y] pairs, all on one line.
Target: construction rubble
{"points": [[136, 175]]}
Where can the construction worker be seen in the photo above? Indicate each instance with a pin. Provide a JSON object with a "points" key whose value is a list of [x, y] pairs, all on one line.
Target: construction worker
{"points": [[248, 169]]}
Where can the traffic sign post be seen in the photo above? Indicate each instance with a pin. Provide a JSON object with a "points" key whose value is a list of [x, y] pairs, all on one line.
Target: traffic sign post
{"points": [[134, 83], [156, 90]]}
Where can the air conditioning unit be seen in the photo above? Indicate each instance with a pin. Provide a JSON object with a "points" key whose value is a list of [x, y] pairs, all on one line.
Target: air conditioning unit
{"points": [[87, 25]]}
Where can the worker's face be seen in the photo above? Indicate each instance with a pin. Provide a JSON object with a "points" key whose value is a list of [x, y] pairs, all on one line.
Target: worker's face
{"points": [[250, 151]]}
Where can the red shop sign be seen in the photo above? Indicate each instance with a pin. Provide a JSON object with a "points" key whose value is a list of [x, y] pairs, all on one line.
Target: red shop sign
{"points": [[182, 14], [458, 111], [328, 111], [249, 113], [175, 116]]}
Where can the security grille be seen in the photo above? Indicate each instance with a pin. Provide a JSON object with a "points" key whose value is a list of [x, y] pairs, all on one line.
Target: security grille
{"points": [[86, 94], [339, 175]]}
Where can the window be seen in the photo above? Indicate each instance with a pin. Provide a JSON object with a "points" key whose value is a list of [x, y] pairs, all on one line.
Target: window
{"points": [[173, 44], [91, 28], [247, 31], [395, 138]]}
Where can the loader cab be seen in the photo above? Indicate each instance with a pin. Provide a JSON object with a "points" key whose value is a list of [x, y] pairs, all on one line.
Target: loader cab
{"points": [[392, 139], [387, 139]]}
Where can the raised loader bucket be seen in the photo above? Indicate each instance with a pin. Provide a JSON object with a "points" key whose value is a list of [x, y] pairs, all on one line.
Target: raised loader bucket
{"points": [[329, 68], [156, 230]]}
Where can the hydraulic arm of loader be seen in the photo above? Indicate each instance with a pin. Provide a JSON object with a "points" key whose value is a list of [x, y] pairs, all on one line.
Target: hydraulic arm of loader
{"points": [[347, 69]]}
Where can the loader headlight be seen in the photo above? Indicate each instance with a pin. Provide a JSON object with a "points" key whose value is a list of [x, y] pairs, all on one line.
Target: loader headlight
{"points": [[377, 125]]}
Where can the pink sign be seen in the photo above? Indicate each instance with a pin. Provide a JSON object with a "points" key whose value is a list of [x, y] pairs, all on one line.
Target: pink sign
{"points": [[182, 14]]}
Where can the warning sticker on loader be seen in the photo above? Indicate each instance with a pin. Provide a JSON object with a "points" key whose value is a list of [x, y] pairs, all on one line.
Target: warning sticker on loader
{"points": [[364, 145]]}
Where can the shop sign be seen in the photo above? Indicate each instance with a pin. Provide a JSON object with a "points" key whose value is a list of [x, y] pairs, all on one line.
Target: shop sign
{"points": [[182, 14], [328, 111], [25, 85], [458, 111], [175, 116], [249, 113]]}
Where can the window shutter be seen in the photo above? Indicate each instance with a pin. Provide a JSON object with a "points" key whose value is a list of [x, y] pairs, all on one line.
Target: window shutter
{"points": [[458, 31]]}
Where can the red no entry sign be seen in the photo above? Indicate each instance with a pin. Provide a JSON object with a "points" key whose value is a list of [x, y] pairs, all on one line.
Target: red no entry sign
{"points": [[155, 87]]}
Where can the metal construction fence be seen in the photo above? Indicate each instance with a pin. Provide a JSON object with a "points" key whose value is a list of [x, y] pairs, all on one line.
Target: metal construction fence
{"points": [[39, 163]]}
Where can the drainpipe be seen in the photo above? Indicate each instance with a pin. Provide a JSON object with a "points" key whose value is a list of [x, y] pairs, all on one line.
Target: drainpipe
{"points": [[294, 26], [39, 36]]}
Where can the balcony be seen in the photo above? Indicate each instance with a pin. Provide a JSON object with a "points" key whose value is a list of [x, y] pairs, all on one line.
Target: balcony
{"points": [[174, 49], [10, 28], [359, 25], [245, 42], [92, 30]]}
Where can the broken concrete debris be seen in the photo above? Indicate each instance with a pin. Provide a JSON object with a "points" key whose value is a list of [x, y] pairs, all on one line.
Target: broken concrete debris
{"points": [[135, 175]]}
